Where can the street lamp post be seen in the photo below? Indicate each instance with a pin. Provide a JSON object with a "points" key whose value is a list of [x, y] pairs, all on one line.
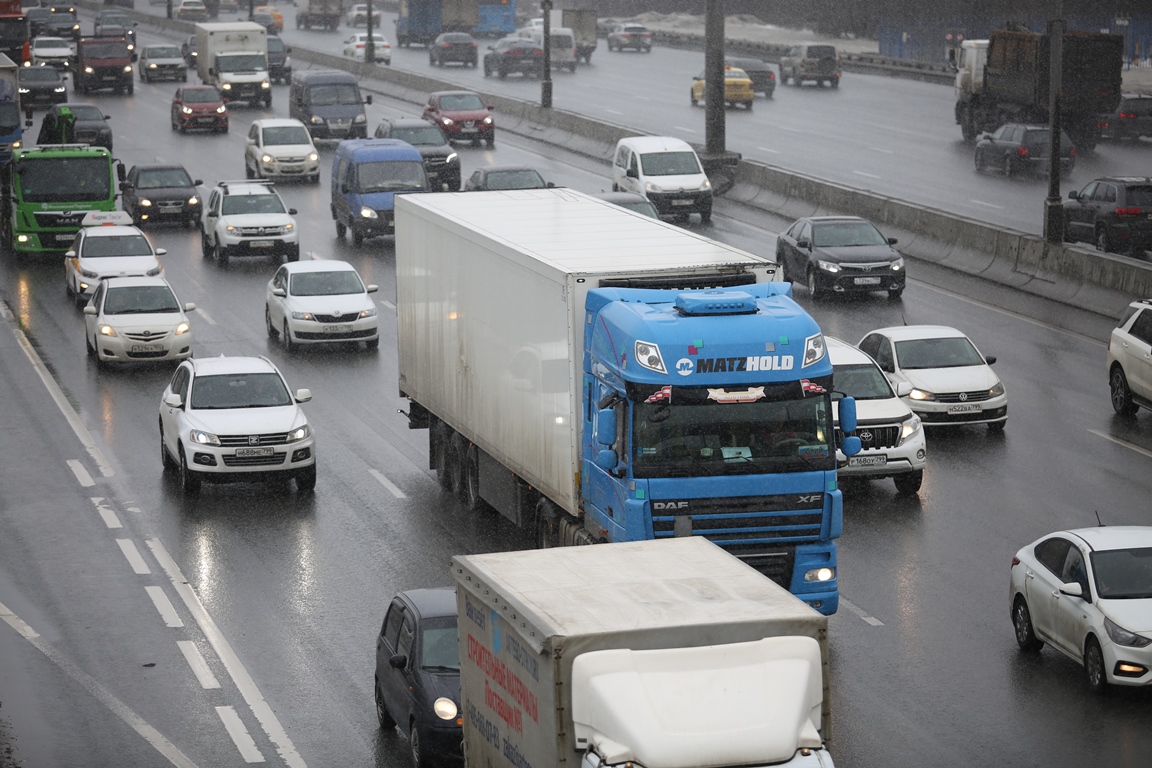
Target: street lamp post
{"points": [[251, 10], [546, 77], [370, 43], [1053, 205], [714, 118]]}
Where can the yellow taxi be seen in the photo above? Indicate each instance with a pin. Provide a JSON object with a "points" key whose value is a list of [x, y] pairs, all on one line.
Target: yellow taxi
{"points": [[737, 88], [275, 13]]}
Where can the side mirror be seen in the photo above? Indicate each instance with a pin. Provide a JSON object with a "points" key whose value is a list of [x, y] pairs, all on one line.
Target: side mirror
{"points": [[399, 661], [847, 414], [1073, 195], [89, 309], [1072, 589], [291, 211], [121, 174], [373, 288], [549, 185], [279, 292], [126, 186], [631, 173], [172, 400], [287, 49], [990, 359], [803, 244], [303, 395], [368, 99], [903, 389], [161, 251], [606, 427], [197, 183], [851, 445], [70, 255], [211, 70], [606, 459], [891, 241], [212, 214], [190, 306]]}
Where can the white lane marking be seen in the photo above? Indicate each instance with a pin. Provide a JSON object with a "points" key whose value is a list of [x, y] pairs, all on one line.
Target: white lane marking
{"points": [[860, 612], [613, 111], [388, 484], [1122, 443], [1010, 313], [881, 149], [128, 547], [133, 509], [766, 149], [239, 734], [207, 318], [866, 175], [106, 512], [82, 475], [57, 394], [386, 303], [196, 662], [236, 670], [165, 607], [682, 128], [117, 707], [987, 205]]}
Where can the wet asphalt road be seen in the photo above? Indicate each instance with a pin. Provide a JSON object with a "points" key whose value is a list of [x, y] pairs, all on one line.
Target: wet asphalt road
{"points": [[286, 591]]}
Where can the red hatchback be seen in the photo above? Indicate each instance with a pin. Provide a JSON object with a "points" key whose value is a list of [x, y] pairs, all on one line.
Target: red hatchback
{"points": [[463, 116], [199, 107]]}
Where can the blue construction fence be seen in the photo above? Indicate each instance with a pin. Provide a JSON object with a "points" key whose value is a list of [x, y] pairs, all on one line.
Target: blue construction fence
{"points": [[935, 40]]}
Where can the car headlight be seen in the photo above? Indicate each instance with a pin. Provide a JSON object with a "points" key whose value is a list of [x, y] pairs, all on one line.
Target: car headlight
{"points": [[704, 185], [230, 229], [648, 356], [313, 157], [368, 213], [897, 265], [360, 118], [921, 394], [649, 186], [265, 84], [487, 121], [265, 158], [300, 433], [145, 202], [128, 68], [997, 390], [445, 709], [814, 350], [820, 574], [302, 316], [219, 110], [446, 120], [1121, 636], [156, 270], [24, 90], [289, 227], [226, 87], [183, 328], [107, 330], [88, 70], [909, 428], [151, 66], [59, 90], [200, 437], [370, 312], [89, 274], [186, 110], [316, 120], [193, 200], [452, 158], [828, 266]]}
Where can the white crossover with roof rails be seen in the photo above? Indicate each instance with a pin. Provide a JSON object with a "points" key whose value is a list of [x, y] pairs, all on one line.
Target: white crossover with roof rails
{"points": [[248, 218], [107, 245], [666, 171], [890, 433]]}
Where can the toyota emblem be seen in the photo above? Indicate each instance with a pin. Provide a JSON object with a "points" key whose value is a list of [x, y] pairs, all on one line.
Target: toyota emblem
{"points": [[865, 437]]}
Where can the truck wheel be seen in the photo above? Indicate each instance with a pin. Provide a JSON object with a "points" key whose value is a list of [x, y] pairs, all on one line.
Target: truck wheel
{"points": [[472, 498], [546, 529]]}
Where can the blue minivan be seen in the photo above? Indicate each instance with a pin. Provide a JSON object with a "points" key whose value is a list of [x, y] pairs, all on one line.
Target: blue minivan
{"points": [[366, 174]]}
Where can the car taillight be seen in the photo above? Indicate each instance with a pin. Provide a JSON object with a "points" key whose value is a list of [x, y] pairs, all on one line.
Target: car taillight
{"points": [[1023, 152], [1128, 114], [1072, 152], [771, 75], [1129, 211], [1101, 125], [445, 45]]}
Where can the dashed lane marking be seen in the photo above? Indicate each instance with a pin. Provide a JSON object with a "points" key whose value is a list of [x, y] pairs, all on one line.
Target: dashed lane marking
{"points": [[388, 484], [128, 547], [196, 661], [860, 612], [1123, 443], [987, 205], [106, 512], [240, 735], [866, 175], [165, 607], [207, 317], [82, 475], [386, 303], [766, 149]]}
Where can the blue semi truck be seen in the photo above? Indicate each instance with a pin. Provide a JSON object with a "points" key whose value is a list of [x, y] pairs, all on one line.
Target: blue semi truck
{"points": [[419, 22], [595, 375]]}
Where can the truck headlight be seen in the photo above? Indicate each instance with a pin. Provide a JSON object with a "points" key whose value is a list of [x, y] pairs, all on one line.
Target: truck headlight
{"points": [[145, 202], [88, 70], [151, 66], [705, 185], [368, 213], [226, 87], [648, 356], [360, 119], [200, 437], [24, 90], [814, 350], [445, 709], [265, 84], [316, 120], [820, 574]]}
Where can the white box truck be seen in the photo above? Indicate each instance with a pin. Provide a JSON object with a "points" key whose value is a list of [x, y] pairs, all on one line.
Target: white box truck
{"points": [[596, 375], [583, 23], [233, 56], [647, 654]]}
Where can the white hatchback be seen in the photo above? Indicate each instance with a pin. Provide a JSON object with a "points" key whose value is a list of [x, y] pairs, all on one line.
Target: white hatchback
{"points": [[952, 382], [890, 434], [319, 302], [1088, 593], [136, 319], [108, 249], [281, 148]]}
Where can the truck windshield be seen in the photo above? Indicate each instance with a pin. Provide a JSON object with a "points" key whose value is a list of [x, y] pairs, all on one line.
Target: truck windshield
{"points": [[334, 93], [105, 50], [9, 118], [390, 175], [702, 438], [243, 62], [65, 179]]}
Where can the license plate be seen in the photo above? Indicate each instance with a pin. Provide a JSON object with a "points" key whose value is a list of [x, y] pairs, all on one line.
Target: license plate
{"points": [[967, 408], [205, 120], [145, 348], [249, 452], [681, 202], [337, 328], [469, 130], [867, 281], [868, 461], [262, 243], [65, 238]]}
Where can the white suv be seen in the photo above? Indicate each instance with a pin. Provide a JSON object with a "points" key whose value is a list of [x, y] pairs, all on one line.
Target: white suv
{"points": [[891, 435], [233, 419], [248, 218], [1130, 359]]}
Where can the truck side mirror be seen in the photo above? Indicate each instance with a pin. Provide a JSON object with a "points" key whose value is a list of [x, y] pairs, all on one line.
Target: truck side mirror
{"points": [[606, 459], [120, 173], [606, 426], [847, 415]]}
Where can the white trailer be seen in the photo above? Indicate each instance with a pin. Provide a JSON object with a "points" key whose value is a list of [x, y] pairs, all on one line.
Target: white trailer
{"points": [[233, 56], [660, 654]]}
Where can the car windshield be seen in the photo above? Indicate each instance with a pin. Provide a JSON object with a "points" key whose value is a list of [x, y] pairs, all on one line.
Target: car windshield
{"points": [[1123, 574], [159, 178], [62, 18], [952, 352], [735, 74], [691, 435], [86, 112], [523, 179], [105, 50], [1141, 196], [49, 42], [424, 136], [39, 74], [821, 52], [338, 283], [389, 175], [237, 204], [1142, 107], [275, 45], [439, 648], [843, 234], [65, 179], [862, 381], [334, 93], [461, 101], [140, 300], [201, 96], [162, 52], [239, 390], [670, 163], [286, 134], [246, 62], [115, 245]]}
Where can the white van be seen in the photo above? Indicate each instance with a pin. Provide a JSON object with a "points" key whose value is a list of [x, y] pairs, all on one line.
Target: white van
{"points": [[666, 171], [892, 436], [563, 53]]}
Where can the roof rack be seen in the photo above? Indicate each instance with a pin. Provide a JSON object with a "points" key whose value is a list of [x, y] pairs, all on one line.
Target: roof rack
{"points": [[260, 182]]}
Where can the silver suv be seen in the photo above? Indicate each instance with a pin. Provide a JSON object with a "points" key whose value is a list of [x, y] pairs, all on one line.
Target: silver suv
{"points": [[818, 63], [1130, 359], [248, 218]]}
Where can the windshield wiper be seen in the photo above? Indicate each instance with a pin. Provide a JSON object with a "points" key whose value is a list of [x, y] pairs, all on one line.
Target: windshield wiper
{"points": [[440, 668]]}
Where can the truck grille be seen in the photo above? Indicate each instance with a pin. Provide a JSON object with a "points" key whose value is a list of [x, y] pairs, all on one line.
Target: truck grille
{"points": [[243, 441], [744, 521], [52, 219]]}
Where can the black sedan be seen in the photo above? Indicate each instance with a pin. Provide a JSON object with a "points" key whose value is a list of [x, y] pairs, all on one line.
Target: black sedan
{"points": [[453, 48], [505, 177], [514, 54], [40, 86], [75, 123], [840, 254], [759, 72], [1018, 148], [417, 683], [161, 193], [441, 162]]}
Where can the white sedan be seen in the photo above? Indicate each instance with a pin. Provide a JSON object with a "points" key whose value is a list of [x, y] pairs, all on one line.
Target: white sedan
{"points": [[136, 319], [354, 47], [1088, 593], [318, 302], [281, 148], [952, 382]]}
